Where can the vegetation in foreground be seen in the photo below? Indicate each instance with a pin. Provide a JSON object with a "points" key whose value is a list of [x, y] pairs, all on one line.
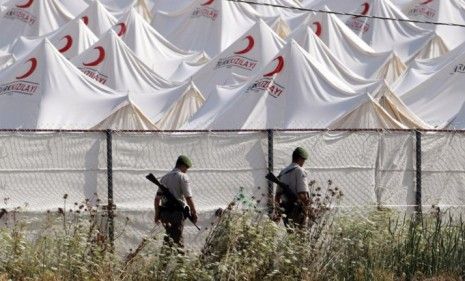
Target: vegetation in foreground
{"points": [[244, 244]]}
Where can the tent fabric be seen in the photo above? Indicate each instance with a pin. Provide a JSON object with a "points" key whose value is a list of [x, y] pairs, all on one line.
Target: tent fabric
{"points": [[143, 9], [245, 57], [398, 110], [6, 60], [97, 18], [209, 26], [31, 18], [447, 11], [75, 7], [369, 115], [404, 38], [436, 48], [433, 89], [152, 48], [307, 39], [183, 109], [127, 117], [350, 49], [52, 94], [113, 64], [71, 39], [292, 91]]}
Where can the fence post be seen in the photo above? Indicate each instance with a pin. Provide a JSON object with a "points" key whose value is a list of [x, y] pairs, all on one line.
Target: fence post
{"points": [[111, 225], [270, 169], [418, 201]]}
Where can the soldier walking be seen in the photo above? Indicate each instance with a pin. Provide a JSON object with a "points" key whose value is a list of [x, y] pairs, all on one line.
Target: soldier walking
{"points": [[172, 219], [295, 177]]}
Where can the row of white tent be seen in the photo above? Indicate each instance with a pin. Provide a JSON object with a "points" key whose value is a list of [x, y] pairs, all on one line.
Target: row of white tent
{"points": [[221, 65]]}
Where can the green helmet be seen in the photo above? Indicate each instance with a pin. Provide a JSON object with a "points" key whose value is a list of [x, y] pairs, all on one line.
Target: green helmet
{"points": [[183, 159], [300, 152]]}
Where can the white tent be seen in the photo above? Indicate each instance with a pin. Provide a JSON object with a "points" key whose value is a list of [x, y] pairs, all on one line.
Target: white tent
{"points": [[245, 57], [71, 39], [292, 91], [446, 11], [44, 90], [352, 51], [205, 25], [458, 122], [75, 7], [6, 59], [97, 18], [404, 38], [152, 48], [369, 115], [308, 40], [398, 110], [113, 64], [31, 18], [128, 117], [281, 20], [433, 89]]}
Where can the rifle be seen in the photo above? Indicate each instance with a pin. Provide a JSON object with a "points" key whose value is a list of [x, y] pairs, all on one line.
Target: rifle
{"points": [[176, 203], [290, 194]]}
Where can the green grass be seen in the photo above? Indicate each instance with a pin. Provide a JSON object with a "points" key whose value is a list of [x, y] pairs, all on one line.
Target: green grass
{"points": [[244, 244]]}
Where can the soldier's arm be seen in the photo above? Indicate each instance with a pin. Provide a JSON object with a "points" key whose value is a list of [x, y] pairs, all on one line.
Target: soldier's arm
{"points": [[187, 192], [302, 186]]}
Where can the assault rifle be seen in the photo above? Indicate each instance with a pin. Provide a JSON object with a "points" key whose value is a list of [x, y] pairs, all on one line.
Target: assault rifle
{"points": [[173, 201], [290, 194]]}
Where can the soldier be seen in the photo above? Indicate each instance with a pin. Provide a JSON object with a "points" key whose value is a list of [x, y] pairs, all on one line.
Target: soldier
{"points": [[172, 219], [296, 178]]}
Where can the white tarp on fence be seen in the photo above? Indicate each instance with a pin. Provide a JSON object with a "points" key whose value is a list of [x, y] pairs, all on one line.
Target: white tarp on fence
{"points": [[371, 168]]}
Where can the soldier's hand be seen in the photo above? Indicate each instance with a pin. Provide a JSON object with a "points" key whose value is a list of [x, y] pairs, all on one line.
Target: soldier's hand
{"points": [[194, 217], [157, 219]]}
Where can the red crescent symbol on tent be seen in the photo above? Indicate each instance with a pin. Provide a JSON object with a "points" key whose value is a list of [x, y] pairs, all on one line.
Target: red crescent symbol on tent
{"points": [[31, 70], [426, 2], [207, 3], [85, 19], [100, 58], [250, 44], [366, 8], [318, 28], [26, 5], [122, 29], [279, 67], [69, 43]]}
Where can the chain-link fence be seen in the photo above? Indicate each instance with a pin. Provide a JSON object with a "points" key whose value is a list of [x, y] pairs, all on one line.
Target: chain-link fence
{"points": [[397, 169]]}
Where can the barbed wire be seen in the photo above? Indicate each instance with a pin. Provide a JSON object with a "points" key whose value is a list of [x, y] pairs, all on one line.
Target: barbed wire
{"points": [[346, 14]]}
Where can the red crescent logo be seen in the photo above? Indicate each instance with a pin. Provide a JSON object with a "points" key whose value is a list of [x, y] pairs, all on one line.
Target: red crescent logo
{"points": [[122, 29], [279, 67], [426, 2], [250, 44], [366, 8], [69, 43], [318, 28], [31, 70], [207, 3], [85, 19], [26, 5], [100, 58]]}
